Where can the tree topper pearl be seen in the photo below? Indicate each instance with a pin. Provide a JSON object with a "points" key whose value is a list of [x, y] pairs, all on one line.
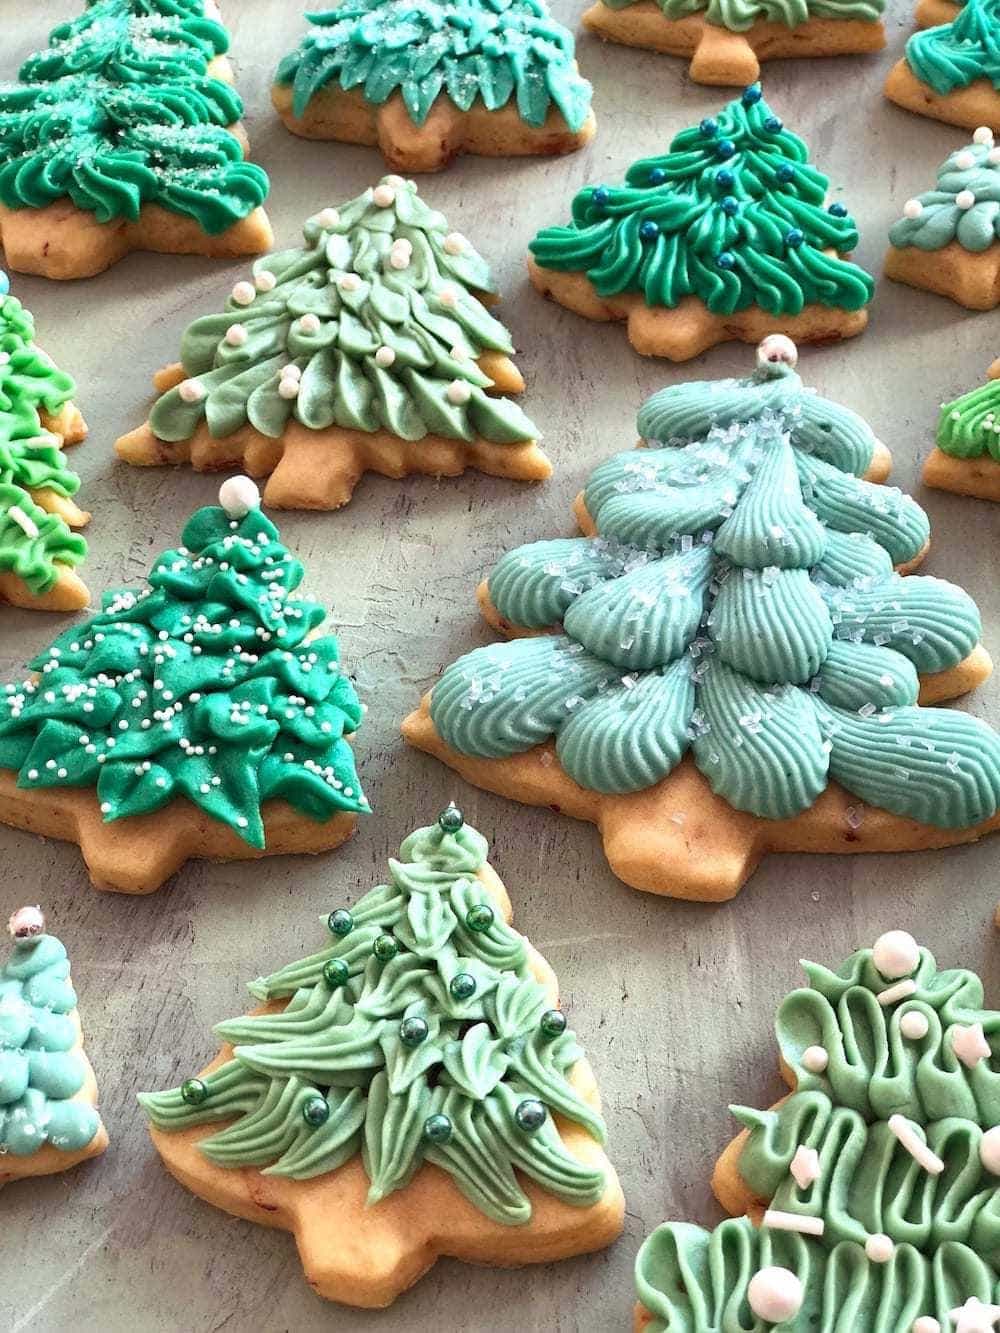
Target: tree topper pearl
{"points": [[776, 349], [775, 1294], [243, 293], [236, 335], [984, 135], [965, 199], [912, 209], [396, 182], [384, 196], [265, 281], [191, 391], [327, 218], [26, 922], [238, 495], [896, 954], [384, 357]]}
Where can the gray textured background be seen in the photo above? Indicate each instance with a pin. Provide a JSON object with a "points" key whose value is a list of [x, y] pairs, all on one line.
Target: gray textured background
{"points": [[674, 1002]]}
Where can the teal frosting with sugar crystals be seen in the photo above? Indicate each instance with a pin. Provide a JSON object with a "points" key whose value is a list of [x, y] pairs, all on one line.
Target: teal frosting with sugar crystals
{"points": [[738, 604], [41, 1068], [494, 50]]}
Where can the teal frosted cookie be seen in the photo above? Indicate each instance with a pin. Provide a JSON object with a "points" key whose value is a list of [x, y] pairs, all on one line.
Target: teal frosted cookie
{"points": [[122, 134], [870, 1191], [370, 347], [202, 714], [948, 239], [951, 71], [409, 1091], [728, 39], [730, 660], [428, 81], [48, 1114], [728, 235]]}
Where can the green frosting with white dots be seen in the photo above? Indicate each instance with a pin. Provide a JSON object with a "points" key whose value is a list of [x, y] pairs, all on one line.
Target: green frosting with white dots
{"points": [[210, 684], [41, 1068], [373, 324], [419, 1033]]}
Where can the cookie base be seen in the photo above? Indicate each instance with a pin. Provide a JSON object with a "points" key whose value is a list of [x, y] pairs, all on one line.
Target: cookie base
{"points": [[137, 854], [730, 59], [365, 1255], [346, 117], [62, 241], [319, 469], [690, 328], [935, 13], [48, 1160], [970, 280], [978, 104], [979, 477], [69, 592]]}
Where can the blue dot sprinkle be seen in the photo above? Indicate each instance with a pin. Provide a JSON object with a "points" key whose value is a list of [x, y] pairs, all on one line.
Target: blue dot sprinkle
{"points": [[725, 179], [725, 148], [730, 205], [785, 172], [752, 95], [601, 196], [726, 260], [657, 176], [837, 211], [794, 238], [708, 127], [648, 231], [773, 125]]}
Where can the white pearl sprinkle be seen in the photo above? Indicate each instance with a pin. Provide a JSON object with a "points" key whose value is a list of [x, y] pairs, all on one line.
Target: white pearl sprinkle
{"points": [[384, 357], [236, 335], [965, 199], [879, 1248], [238, 495], [964, 161], [926, 1324], [309, 324], [914, 1025], [399, 259], [191, 391], [349, 282], [815, 1059], [912, 209], [243, 293], [455, 243], [265, 281], [448, 296], [396, 182], [896, 954], [383, 196], [458, 353], [984, 135], [775, 1294], [459, 392], [291, 372], [993, 157], [288, 388], [327, 218]]}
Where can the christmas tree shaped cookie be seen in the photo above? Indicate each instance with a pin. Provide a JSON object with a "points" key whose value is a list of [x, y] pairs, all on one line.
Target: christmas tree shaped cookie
{"points": [[948, 240], [39, 549], [727, 39], [425, 82], [966, 457], [368, 349], [865, 1201], [48, 1094], [203, 715], [727, 236], [952, 72], [124, 134], [729, 662], [408, 1092]]}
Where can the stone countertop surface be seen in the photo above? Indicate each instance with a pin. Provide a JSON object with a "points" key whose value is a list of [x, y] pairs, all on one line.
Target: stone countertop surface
{"points": [[673, 1001]]}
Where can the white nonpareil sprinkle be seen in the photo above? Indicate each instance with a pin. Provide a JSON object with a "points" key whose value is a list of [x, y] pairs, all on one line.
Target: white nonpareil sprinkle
{"points": [[459, 392], [309, 323], [448, 296], [349, 282], [236, 335], [328, 217], [27, 525], [965, 199], [265, 281], [383, 196], [384, 357], [243, 293], [455, 243], [288, 388]]}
